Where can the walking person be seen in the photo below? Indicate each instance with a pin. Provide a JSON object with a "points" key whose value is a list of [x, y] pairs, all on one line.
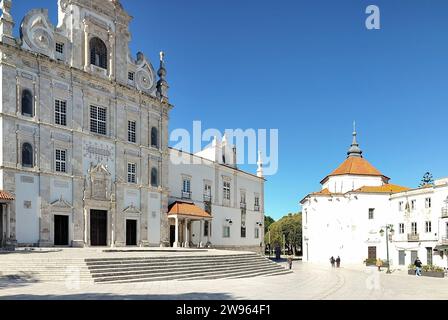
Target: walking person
{"points": [[332, 261], [379, 264], [338, 262], [418, 267], [290, 262]]}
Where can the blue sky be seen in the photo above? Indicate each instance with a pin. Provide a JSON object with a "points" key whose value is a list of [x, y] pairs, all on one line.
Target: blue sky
{"points": [[307, 68]]}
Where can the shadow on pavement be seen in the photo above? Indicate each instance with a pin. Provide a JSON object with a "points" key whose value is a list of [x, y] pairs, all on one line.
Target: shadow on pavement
{"points": [[108, 296], [15, 281]]}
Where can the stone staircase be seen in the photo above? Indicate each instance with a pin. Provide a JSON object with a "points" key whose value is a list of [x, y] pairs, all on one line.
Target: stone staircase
{"points": [[145, 269], [45, 270]]}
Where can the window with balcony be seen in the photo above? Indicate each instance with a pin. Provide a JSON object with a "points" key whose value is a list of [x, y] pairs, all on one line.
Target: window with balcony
{"points": [[61, 160], [98, 119], [60, 112], [186, 188], [371, 214], [428, 227], [132, 131], [207, 192]]}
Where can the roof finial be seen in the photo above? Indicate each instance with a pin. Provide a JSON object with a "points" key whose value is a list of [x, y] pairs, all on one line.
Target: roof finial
{"points": [[162, 84], [354, 150]]}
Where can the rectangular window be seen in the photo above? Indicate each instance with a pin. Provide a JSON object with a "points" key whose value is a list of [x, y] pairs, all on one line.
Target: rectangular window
{"points": [[132, 136], [243, 197], [401, 228], [206, 227], [413, 205], [60, 112], [207, 192], [131, 76], [226, 189], [257, 233], [98, 120], [428, 226], [371, 214], [60, 47], [186, 188], [414, 228], [257, 203], [61, 160], [400, 206], [226, 232], [132, 173], [428, 203], [243, 223]]}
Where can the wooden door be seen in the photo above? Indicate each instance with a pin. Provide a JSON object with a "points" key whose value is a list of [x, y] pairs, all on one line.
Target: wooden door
{"points": [[372, 253], [98, 228], [131, 232], [61, 232]]}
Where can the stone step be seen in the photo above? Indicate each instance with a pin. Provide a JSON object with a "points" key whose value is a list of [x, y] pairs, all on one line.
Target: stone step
{"points": [[184, 277], [130, 267], [179, 271], [243, 275], [190, 258], [166, 260], [181, 275]]}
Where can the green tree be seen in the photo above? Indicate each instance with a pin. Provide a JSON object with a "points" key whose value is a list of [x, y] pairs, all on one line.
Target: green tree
{"points": [[267, 223], [286, 232]]}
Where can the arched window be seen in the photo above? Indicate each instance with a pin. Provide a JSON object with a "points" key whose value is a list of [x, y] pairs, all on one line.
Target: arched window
{"points": [[154, 137], [154, 177], [27, 155], [98, 53], [27, 103]]}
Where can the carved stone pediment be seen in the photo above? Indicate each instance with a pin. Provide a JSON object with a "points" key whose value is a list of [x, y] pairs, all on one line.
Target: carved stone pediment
{"points": [[37, 33], [99, 183], [61, 205], [132, 209]]}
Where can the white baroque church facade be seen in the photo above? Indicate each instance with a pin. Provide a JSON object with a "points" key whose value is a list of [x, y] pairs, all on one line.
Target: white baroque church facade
{"points": [[349, 216], [84, 155]]}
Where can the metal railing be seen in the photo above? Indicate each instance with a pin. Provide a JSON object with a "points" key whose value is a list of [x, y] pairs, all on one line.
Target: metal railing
{"points": [[256, 208], [444, 212], [413, 237], [186, 195], [207, 198], [243, 205]]}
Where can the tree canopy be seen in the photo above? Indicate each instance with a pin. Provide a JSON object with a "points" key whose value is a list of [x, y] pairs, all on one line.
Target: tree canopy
{"points": [[287, 231]]}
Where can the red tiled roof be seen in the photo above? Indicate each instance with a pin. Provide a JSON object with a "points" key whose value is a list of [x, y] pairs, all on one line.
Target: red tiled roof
{"points": [[187, 209], [356, 166], [4, 195], [387, 188]]}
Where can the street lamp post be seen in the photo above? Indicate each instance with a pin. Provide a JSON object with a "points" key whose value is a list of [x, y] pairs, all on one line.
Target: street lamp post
{"points": [[389, 228]]}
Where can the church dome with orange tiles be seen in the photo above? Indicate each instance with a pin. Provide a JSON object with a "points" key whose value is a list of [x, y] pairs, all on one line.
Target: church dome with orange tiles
{"points": [[355, 164]]}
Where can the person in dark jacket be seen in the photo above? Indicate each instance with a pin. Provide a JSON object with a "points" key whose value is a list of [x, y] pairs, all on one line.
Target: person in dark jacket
{"points": [[332, 261], [418, 267], [338, 262]]}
